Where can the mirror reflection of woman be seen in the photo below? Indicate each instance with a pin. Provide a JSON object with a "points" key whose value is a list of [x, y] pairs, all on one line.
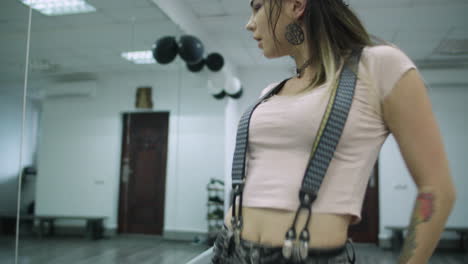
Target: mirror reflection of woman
{"points": [[390, 97]]}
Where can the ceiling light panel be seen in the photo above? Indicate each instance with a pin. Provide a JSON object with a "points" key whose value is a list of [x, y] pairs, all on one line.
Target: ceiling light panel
{"points": [[139, 57], [60, 7]]}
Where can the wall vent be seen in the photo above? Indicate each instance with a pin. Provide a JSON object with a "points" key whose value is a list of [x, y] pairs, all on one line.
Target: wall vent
{"points": [[70, 89], [453, 47]]}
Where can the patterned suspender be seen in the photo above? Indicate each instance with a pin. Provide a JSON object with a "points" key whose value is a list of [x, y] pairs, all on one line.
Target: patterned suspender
{"points": [[324, 147]]}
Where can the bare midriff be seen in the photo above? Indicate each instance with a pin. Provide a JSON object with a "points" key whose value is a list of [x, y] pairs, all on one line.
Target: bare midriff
{"points": [[268, 226]]}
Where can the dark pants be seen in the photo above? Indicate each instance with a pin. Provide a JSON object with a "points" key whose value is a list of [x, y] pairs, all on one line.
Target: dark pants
{"points": [[226, 252]]}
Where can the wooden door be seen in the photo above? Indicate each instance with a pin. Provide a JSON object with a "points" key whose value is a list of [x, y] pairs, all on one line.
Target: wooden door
{"points": [[367, 230], [143, 172]]}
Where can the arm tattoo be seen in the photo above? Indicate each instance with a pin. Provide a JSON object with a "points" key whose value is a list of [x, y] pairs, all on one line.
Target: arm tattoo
{"points": [[423, 211]]}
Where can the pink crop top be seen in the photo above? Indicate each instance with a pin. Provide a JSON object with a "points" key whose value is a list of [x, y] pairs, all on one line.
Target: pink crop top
{"points": [[283, 129]]}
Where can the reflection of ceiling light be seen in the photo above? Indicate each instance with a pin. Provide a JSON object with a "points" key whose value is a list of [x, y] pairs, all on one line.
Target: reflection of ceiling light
{"points": [[42, 65], [139, 57], [60, 7]]}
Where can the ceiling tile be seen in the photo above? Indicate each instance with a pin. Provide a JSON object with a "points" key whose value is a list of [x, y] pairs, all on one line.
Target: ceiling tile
{"points": [[419, 44], [204, 8], [379, 3], [231, 24], [237, 7], [105, 4], [458, 33], [96, 40], [13, 10], [124, 15], [438, 2]]}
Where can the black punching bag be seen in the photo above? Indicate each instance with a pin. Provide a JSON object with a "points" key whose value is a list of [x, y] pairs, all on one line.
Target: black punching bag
{"points": [[165, 50], [196, 67], [215, 90], [233, 87], [190, 49], [214, 62]]}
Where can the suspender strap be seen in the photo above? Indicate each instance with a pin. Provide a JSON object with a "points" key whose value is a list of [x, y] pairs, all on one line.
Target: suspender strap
{"points": [[238, 164], [331, 129], [324, 147]]}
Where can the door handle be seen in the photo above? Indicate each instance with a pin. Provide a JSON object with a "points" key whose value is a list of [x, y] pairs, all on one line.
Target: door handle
{"points": [[372, 179], [126, 172]]}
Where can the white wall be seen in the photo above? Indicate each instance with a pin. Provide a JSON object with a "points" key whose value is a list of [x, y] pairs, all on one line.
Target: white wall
{"points": [[28, 186], [11, 114], [80, 147], [10, 136], [449, 97]]}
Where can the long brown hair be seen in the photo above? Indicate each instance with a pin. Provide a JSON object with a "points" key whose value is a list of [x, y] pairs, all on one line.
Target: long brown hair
{"points": [[333, 31]]}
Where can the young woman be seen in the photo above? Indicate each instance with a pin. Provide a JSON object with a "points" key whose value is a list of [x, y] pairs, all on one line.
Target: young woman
{"points": [[390, 97]]}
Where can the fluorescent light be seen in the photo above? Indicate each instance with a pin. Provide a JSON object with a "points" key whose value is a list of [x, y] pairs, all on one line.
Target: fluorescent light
{"points": [[140, 57], [60, 7]]}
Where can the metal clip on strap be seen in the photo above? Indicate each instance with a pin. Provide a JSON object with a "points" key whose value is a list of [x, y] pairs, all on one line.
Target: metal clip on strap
{"points": [[332, 126], [352, 259], [290, 248], [236, 221]]}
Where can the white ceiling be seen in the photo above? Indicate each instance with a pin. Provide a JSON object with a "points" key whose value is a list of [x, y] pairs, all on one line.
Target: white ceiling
{"points": [[89, 42], [416, 26], [93, 42]]}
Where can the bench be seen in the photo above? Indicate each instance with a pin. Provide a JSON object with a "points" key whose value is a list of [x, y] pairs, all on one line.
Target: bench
{"points": [[94, 224], [397, 235]]}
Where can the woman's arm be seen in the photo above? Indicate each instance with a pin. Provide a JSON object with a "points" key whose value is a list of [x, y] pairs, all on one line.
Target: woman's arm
{"points": [[408, 113]]}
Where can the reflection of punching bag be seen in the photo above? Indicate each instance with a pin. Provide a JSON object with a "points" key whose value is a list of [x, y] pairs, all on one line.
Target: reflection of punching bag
{"points": [[190, 49], [165, 50], [233, 87], [196, 67], [215, 62], [216, 91]]}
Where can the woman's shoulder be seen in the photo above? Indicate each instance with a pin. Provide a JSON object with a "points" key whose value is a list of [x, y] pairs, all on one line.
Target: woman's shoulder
{"points": [[388, 54], [384, 65]]}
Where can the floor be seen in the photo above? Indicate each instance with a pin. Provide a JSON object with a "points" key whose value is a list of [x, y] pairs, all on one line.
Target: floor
{"points": [[150, 249], [77, 250]]}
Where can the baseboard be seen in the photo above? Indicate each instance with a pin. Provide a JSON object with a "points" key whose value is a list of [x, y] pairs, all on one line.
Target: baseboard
{"points": [[110, 232], [190, 236], [75, 231], [183, 235], [386, 243]]}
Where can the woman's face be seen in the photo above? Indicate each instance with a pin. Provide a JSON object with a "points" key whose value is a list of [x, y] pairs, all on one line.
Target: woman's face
{"points": [[260, 26]]}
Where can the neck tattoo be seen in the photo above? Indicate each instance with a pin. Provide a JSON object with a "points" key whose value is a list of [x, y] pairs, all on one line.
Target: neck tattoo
{"points": [[300, 70]]}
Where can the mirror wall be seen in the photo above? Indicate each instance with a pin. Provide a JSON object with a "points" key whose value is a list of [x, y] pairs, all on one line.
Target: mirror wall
{"points": [[119, 157], [13, 46], [124, 151]]}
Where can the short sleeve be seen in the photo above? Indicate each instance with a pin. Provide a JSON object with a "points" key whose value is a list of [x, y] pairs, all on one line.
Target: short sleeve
{"points": [[388, 65]]}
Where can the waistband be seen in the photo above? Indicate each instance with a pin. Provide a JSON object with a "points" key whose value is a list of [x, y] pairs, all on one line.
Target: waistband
{"points": [[247, 245], [272, 250]]}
